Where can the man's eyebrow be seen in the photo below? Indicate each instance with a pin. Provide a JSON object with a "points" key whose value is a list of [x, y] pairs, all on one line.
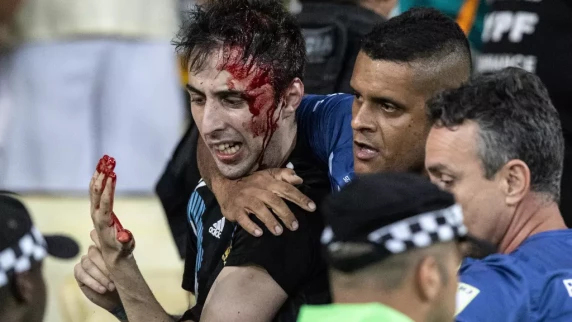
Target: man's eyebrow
{"points": [[384, 100], [437, 167], [194, 90], [381, 99], [223, 93], [226, 93]]}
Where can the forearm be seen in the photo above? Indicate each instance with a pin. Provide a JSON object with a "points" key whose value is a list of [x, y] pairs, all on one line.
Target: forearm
{"points": [[121, 315], [138, 300], [207, 166]]}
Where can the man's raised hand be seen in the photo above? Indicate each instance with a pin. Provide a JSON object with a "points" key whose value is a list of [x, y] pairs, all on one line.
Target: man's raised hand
{"points": [[114, 241]]}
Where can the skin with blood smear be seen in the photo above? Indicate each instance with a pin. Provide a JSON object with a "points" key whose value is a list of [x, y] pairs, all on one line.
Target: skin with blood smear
{"points": [[107, 166], [258, 91]]}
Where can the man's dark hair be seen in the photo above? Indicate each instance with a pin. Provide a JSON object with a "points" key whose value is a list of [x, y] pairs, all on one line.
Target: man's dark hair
{"points": [[263, 29], [426, 40], [418, 34], [516, 121]]}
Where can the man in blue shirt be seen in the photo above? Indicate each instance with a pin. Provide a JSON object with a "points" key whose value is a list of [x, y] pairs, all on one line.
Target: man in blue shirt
{"points": [[497, 144], [383, 127]]}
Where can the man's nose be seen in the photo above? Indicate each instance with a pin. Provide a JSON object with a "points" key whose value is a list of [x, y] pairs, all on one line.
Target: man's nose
{"points": [[363, 118], [213, 119]]}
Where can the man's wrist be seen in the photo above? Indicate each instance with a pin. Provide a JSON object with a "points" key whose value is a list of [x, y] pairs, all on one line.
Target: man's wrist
{"points": [[117, 261], [124, 271]]}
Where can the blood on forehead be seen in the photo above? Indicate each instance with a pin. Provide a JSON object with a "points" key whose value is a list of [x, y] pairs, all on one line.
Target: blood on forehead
{"points": [[257, 82]]}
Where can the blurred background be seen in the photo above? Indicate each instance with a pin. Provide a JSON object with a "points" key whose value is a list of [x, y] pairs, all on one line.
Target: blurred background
{"points": [[83, 78]]}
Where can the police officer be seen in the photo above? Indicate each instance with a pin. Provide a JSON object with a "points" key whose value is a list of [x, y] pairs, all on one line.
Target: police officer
{"points": [[22, 251], [393, 246]]}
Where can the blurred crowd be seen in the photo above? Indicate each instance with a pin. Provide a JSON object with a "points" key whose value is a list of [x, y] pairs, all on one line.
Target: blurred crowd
{"points": [[244, 117]]}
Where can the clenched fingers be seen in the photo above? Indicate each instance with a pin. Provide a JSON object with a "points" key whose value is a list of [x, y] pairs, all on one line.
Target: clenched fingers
{"points": [[92, 272], [84, 279]]}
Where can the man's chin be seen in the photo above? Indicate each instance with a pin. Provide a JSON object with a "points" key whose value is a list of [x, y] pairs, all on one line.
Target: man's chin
{"points": [[364, 167], [233, 172]]}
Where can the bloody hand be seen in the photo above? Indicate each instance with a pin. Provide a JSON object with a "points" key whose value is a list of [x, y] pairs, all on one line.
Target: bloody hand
{"points": [[106, 166]]}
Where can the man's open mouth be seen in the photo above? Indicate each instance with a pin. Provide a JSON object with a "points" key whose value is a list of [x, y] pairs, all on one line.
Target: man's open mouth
{"points": [[227, 148]]}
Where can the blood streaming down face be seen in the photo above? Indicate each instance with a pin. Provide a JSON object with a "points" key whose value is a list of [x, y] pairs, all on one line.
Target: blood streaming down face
{"points": [[256, 82]]}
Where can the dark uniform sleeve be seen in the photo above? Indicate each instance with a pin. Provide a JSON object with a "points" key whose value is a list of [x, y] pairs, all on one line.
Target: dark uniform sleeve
{"points": [[290, 259]]}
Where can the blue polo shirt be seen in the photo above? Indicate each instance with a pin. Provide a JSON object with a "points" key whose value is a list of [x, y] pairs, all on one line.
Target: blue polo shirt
{"points": [[533, 283], [324, 121]]}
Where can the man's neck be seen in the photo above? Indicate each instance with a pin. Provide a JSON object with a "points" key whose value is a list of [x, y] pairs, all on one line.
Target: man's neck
{"points": [[398, 300], [532, 216], [279, 150]]}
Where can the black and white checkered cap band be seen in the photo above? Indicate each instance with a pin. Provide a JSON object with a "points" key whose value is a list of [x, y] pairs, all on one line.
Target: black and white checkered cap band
{"points": [[19, 258], [420, 231]]}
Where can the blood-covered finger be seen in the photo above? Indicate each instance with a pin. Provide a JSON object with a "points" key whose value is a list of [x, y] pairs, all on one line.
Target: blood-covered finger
{"points": [[124, 236], [111, 164], [102, 216], [105, 176], [115, 221], [113, 178], [92, 186], [100, 165], [95, 194], [108, 168]]}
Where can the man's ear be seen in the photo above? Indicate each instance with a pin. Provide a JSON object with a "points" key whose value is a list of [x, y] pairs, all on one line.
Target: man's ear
{"points": [[292, 98], [428, 278], [515, 180]]}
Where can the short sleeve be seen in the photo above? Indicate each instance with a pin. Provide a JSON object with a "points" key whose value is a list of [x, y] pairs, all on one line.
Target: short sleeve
{"points": [[290, 258], [492, 289], [324, 123]]}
